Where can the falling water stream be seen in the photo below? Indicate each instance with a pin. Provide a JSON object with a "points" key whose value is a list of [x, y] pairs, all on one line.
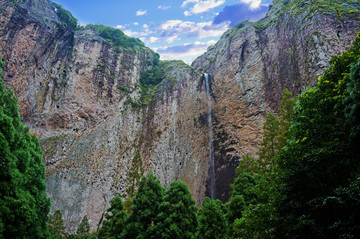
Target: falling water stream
{"points": [[211, 145]]}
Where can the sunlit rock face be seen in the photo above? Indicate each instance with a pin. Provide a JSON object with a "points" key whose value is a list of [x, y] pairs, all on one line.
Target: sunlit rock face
{"points": [[251, 65], [74, 91]]}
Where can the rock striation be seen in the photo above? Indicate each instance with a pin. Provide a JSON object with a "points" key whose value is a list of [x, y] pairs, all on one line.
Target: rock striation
{"points": [[75, 91]]}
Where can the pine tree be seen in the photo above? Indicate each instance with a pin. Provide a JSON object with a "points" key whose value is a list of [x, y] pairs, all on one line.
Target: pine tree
{"points": [[56, 224], [24, 206], [212, 221], [270, 144], [178, 214], [84, 227], [144, 209], [115, 220]]}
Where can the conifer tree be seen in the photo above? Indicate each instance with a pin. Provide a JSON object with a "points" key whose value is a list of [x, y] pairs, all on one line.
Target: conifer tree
{"points": [[24, 206], [270, 144], [178, 213], [212, 221], [84, 227], [115, 220], [144, 209], [56, 224]]}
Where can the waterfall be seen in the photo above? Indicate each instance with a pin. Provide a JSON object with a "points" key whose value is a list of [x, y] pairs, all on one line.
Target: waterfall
{"points": [[211, 145]]}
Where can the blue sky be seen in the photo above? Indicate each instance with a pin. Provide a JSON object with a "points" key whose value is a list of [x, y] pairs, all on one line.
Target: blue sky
{"points": [[176, 29]]}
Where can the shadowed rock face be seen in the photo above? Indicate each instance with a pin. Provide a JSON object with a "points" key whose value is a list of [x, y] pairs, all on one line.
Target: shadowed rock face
{"points": [[74, 89]]}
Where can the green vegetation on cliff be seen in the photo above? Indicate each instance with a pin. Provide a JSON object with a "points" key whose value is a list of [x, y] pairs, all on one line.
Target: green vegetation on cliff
{"points": [[67, 19], [116, 37]]}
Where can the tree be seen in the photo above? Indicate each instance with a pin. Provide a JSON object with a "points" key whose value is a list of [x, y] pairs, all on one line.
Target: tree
{"points": [[319, 161], [115, 219], [84, 227], [177, 213], [145, 208], [352, 101], [270, 144], [24, 206], [212, 221], [135, 174], [286, 113], [56, 224]]}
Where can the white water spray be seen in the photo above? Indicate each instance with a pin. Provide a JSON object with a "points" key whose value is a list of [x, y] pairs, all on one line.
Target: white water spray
{"points": [[211, 145]]}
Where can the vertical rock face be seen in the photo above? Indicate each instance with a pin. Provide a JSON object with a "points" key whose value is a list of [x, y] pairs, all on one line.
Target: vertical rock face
{"points": [[74, 90], [253, 62]]}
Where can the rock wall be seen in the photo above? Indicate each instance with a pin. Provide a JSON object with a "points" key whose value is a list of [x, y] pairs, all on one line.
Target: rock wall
{"points": [[74, 90], [253, 62]]}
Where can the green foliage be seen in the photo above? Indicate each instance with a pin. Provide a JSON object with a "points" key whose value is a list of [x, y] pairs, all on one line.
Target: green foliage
{"points": [[116, 37], [286, 112], [56, 224], [84, 227], [212, 221], [270, 144], [177, 217], [67, 19], [135, 173], [127, 205], [242, 186], [247, 164], [340, 8], [115, 220], [24, 205], [319, 159], [144, 209], [236, 205], [149, 81], [352, 101], [276, 131]]}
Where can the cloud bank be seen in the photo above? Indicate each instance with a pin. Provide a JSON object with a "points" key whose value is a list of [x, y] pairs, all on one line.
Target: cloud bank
{"points": [[240, 12]]}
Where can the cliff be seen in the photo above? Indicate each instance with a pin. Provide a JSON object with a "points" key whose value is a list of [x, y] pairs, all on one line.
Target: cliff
{"points": [[80, 93], [253, 62]]}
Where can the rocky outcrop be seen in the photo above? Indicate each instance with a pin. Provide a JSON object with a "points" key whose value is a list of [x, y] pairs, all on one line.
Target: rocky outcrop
{"points": [[76, 90], [253, 62]]}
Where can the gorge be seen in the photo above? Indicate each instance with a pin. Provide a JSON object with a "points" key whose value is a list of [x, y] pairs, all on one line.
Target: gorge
{"points": [[81, 94]]}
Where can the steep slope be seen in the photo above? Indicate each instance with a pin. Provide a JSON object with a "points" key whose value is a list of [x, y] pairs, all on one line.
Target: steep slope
{"points": [[79, 91], [253, 62]]}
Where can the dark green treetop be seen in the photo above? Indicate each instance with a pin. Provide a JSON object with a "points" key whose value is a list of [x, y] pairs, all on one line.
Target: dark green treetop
{"points": [[145, 208], [115, 219], [212, 221], [177, 216]]}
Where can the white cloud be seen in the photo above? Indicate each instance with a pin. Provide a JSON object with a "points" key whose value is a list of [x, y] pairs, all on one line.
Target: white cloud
{"points": [[131, 33], [136, 23], [153, 40], [191, 29], [141, 12], [187, 52], [188, 1], [254, 4], [163, 7], [202, 6]]}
